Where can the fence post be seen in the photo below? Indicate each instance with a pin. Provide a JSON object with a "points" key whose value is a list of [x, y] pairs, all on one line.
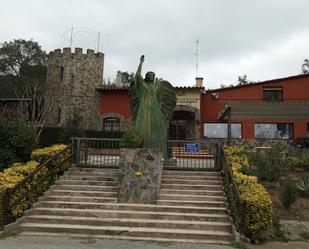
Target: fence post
{"points": [[5, 209], [77, 154]]}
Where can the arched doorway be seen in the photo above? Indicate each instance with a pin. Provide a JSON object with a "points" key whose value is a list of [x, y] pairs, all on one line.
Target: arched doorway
{"points": [[182, 126]]}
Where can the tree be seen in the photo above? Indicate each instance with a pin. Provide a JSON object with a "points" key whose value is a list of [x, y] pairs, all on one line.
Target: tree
{"points": [[242, 80], [35, 106], [305, 67], [21, 63], [21, 56], [74, 127], [23, 75], [127, 77]]}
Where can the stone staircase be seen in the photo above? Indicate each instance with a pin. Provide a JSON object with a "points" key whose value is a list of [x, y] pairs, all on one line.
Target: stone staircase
{"points": [[82, 203]]}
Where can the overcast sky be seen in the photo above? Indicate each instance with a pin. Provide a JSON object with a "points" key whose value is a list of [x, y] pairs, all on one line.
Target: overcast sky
{"points": [[264, 39]]}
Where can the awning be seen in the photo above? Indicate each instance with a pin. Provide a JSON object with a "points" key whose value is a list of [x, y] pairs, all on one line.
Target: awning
{"points": [[265, 111]]}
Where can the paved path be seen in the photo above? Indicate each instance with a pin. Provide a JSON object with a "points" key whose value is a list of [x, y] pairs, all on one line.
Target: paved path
{"points": [[50, 242], [55, 242]]}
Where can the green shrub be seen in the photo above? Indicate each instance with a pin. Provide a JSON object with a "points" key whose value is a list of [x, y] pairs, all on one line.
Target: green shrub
{"points": [[269, 163], [288, 193], [17, 140], [131, 140], [299, 159], [257, 202], [74, 127], [303, 186]]}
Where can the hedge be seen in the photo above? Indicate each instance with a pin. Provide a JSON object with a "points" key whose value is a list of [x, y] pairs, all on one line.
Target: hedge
{"points": [[257, 202], [11, 176]]}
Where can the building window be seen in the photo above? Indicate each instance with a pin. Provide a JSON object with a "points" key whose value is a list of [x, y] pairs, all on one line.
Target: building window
{"points": [[220, 130], [111, 125], [59, 115], [272, 93], [61, 73], [273, 131]]}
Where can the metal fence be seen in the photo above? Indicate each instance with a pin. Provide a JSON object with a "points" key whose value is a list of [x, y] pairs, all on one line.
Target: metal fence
{"points": [[182, 154]]}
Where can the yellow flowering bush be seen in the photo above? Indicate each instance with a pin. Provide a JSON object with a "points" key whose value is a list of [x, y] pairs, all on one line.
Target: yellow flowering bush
{"points": [[41, 155], [256, 200], [11, 176]]}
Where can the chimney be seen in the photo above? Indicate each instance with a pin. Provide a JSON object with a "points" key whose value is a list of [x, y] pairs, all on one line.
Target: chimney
{"points": [[199, 81], [119, 81]]}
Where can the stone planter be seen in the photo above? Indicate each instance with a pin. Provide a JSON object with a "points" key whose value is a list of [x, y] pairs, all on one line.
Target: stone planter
{"points": [[140, 172]]}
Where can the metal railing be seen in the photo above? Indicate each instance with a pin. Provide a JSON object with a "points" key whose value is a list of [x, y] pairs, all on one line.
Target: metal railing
{"points": [[105, 152], [99, 152], [19, 198], [231, 190]]}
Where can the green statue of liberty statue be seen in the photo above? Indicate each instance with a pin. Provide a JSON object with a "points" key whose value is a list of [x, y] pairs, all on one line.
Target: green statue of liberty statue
{"points": [[152, 106]]}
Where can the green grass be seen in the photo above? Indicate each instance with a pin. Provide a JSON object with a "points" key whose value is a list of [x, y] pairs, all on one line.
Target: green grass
{"points": [[9, 233], [239, 244]]}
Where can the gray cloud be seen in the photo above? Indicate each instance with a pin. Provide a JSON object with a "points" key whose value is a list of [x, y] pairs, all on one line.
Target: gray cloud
{"points": [[263, 39]]}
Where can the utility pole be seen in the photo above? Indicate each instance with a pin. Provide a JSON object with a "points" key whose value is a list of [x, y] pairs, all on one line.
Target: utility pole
{"points": [[71, 37], [196, 54], [98, 41]]}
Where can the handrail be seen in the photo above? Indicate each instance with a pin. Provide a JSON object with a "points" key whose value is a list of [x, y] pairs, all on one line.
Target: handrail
{"points": [[236, 204], [22, 185]]}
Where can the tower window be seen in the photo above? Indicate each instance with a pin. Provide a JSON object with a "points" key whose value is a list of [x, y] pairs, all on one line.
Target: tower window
{"points": [[59, 115], [61, 73]]}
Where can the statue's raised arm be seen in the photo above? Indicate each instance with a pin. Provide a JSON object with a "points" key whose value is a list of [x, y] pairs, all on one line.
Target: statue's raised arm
{"points": [[138, 75]]}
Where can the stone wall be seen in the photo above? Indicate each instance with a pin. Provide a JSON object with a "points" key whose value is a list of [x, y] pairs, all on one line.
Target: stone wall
{"points": [[71, 82], [140, 172]]}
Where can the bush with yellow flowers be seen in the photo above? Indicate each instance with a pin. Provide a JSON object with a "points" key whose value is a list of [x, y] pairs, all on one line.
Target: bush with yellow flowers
{"points": [[17, 172], [257, 202]]}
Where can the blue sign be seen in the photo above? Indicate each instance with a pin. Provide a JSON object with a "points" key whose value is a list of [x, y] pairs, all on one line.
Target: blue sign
{"points": [[192, 148]]}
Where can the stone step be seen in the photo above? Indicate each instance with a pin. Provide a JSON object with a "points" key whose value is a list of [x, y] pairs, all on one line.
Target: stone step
{"points": [[104, 213], [192, 203], [86, 188], [191, 197], [94, 170], [191, 182], [91, 174], [184, 177], [129, 222], [84, 182], [193, 192], [191, 187], [128, 231], [79, 199], [131, 206], [153, 239], [89, 178], [80, 193], [190, 173]]}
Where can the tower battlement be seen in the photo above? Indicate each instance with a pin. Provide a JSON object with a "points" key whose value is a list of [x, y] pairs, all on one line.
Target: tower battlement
{"points": [[67, 52]]}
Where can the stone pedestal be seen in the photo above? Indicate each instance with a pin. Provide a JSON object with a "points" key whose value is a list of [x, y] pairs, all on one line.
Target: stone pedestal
{"points": [[140, 172]]}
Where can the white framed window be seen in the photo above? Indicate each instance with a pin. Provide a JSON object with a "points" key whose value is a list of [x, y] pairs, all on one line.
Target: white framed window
{"points": [[111, 125], [220, 130], [273, 131]]}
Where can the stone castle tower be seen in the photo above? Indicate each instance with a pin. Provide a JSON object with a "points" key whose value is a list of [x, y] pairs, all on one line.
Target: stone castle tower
{"points": [[72, 79]]}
